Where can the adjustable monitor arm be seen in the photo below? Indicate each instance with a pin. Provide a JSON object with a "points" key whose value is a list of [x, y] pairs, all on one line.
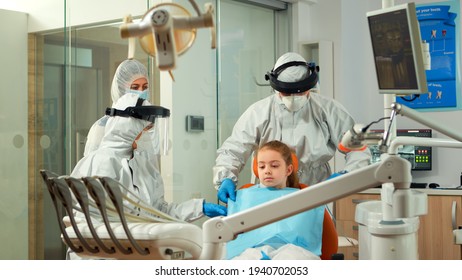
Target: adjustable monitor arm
{"points": [[425, 120]]}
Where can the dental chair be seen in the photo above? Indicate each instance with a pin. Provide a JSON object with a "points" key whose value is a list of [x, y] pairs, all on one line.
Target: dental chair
{"points": [[108, 227], [111, 223], [330, 238]]}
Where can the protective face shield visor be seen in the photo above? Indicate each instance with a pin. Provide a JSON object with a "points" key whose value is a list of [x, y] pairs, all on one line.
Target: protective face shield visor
{"points": [[157, 115], [296, 87]]}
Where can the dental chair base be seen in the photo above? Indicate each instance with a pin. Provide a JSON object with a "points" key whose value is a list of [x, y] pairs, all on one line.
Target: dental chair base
{"points": [[136, 232], [389, 240], [164, 241]]}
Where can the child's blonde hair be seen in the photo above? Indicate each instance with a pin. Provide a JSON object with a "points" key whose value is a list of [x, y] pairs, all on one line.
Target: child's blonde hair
{"points": [[286, 153]]}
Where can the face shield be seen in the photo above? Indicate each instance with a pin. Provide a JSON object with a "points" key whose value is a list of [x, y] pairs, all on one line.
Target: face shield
{"points": [[158, 117], [308, 82]]}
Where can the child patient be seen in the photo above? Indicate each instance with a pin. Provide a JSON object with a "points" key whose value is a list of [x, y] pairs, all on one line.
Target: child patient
{"points": [[296, 237]]}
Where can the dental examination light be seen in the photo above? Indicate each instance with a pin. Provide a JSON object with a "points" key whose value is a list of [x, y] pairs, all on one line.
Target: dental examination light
{"points": [[168, 30]]}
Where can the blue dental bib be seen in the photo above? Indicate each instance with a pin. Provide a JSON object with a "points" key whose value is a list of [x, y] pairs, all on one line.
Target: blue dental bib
{"points": [[304, 229]]}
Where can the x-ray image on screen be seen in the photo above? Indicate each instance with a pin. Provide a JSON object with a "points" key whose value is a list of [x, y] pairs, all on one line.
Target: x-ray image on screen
{"points": [[397, 50]]}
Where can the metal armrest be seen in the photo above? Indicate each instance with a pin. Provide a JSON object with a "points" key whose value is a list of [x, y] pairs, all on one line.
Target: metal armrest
{"points": [[47, 177], [96, 191], [80, 192], [112, 188]]}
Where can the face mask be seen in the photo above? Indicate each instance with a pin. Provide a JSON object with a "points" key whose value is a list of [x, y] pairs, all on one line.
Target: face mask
{"points": [[148, 141], [294, 102], [142, 94]]}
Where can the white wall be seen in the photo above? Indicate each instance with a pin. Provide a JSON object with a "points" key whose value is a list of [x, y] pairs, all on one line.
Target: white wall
{"points": [[49, 14], [344, 23], [192, 93], [13, 137]]}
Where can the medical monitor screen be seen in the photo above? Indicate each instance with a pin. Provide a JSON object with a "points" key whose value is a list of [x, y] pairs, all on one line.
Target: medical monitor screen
{"points": [[420, 157], [397, 50]]}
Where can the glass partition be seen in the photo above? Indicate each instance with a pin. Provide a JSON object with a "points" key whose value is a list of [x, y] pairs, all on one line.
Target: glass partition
{"points": [[74, 69], [249, 47], [77, 76]]}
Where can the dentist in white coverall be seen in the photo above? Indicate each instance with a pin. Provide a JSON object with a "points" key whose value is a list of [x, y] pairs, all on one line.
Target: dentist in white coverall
{"points": [[296, 114]]}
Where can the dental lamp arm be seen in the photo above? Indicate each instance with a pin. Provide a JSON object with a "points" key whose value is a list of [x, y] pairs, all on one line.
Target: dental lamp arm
{"points": [[201, 21], [188, 23], [158, 17], [161, 23], [139, 29], [417, 141]]}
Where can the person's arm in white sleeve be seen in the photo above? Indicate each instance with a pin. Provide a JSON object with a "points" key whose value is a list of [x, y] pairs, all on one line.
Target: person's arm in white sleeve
{"points": [[342, 121], [235, 151], [192, 209], [189, 210], [95, 135]]}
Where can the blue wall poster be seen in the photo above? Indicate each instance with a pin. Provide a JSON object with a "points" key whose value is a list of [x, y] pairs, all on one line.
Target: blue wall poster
{"points": [[439, 28]]}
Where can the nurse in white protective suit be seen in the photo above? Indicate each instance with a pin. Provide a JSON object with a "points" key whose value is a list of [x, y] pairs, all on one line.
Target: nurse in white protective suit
{"points": [[296, 114], [129, 153], [130, 76]]}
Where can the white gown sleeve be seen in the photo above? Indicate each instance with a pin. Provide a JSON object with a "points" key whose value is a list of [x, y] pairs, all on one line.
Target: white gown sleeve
{"points": [[95, 135]]}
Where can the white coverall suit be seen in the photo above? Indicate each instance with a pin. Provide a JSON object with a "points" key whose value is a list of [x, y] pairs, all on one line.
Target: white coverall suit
{"points": [[314, 132], [127, 72], [116, 158]]}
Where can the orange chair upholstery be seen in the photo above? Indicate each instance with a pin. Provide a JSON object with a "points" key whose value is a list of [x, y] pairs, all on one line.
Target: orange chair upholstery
{"points": [[329, 233]]}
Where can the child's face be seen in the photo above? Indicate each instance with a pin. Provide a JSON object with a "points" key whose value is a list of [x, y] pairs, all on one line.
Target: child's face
{"points": [[272, 169]]}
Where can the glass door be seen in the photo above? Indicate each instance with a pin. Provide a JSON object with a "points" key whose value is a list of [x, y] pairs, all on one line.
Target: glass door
{"points": [[77, 76], [250, 40], [74, 72]]}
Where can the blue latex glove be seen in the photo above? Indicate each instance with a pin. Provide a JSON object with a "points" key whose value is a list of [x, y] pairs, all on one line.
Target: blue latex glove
{"points": [[227, 190], [212, 210], [264, 256], [336, 174]]}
